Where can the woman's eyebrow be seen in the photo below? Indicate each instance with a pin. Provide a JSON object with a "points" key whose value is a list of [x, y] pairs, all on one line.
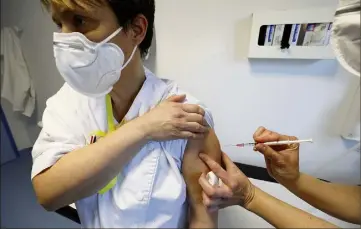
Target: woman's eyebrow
{"points": [[67, 12]]}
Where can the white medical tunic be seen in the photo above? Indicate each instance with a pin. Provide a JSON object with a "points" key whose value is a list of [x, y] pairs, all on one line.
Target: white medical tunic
{"points": [[150, 191]]}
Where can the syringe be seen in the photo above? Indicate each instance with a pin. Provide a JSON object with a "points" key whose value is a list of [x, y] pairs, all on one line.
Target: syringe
{"points": [[287, 142]]}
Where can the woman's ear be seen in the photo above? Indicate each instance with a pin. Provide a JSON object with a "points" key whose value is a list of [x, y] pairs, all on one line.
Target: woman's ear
{"points": [[139, 27]]}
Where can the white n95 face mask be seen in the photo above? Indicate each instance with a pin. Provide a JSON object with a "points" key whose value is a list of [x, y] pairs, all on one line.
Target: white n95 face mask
{"points": [[88, 67]]}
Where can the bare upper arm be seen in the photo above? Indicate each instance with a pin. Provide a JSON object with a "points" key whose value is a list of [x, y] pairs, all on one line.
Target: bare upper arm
{"points": [[193, 166]]}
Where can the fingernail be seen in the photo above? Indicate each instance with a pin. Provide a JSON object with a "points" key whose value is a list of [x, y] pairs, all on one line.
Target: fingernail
{"points": [[259, 129], [201, 155], [259, 146]]}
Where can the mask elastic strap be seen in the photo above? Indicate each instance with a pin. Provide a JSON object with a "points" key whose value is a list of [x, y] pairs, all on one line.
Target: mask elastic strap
{"points": [[130, 58], [110, 37]]}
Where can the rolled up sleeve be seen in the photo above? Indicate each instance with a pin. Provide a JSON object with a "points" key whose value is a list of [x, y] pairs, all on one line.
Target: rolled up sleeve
{"points": [[60, 135], [173, 89]]}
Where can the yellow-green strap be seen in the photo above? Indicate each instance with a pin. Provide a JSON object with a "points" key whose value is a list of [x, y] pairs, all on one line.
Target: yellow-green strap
{"points": [[109, 186], [111, 127], [99, 133], [110, 117]]}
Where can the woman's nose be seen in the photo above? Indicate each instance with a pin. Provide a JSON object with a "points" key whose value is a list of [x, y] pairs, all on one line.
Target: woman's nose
{"points": [[67, 29]]}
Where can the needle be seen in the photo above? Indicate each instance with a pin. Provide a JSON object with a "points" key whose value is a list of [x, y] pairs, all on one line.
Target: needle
{"points": [[287, 142]]}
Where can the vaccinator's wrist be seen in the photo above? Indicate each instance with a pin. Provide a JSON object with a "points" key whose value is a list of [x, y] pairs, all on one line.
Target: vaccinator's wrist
{"points": [[249, 197], [291, 183], [256, 202]]}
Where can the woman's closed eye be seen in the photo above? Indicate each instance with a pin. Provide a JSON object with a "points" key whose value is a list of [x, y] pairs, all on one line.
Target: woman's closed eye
{"points": [[83, 24], [79, 21], [74, 23]]}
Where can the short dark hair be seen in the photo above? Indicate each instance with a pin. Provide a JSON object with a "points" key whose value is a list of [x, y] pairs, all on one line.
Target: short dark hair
{"points": [[126, 11]]}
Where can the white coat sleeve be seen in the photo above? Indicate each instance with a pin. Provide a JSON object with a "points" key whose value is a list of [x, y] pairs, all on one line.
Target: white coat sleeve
{"points": [[182, 144], [61, 132], [175, 90]]}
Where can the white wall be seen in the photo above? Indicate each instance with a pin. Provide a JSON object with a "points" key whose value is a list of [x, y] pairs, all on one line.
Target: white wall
{"points": [[36, 41], [201, 44]]}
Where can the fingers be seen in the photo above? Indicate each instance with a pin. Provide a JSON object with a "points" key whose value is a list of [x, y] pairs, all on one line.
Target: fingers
{"points": [[193, 127], [214, 191], [215, 167], [211, 204], [209, 201], [197, 118], [263, 135], [214, 197], [192, 108], [293, 146], [258, 132], [206, 200], [192, 117], [268, 152], [176, 98]]}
